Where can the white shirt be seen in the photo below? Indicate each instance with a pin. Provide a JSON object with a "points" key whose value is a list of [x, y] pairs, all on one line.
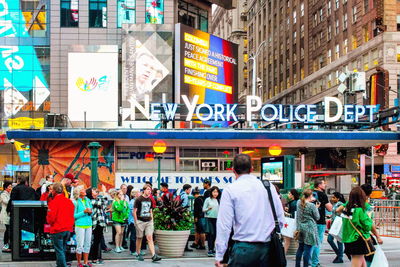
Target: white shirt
{"points": [[245, 206]]}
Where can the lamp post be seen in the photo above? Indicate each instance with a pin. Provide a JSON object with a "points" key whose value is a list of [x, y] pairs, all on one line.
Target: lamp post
{"points": [[12, 141], [159, 146], [254, 58], [94, 158]]}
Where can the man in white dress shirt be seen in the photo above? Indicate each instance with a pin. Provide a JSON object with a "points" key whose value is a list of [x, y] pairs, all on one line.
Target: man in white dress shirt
{"points": [[245, 207]]}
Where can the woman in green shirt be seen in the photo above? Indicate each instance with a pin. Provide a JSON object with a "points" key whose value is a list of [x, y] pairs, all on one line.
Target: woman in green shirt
{"points": [[356, 228], [120, 213]]}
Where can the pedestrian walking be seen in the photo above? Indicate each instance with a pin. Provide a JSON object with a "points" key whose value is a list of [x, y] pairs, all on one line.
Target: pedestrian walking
{"points": [[143, 215], [60, 217], [184, 197], [246, 207], [120, 213], [83, 225], [131, 222], [5, 216], [322, 198], [99, 206], [337, 200], [199, 220], [210, 209], [291, 208], [306, 227], [124, 189], [356, 228], [206, 187], [165, 194]]}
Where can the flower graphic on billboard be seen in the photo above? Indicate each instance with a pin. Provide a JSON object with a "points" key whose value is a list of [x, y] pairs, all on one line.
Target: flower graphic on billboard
{"points": [[93, 83]]}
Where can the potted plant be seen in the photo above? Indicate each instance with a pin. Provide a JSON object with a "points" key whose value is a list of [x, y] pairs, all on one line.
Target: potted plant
{"points": [[172, 224]]}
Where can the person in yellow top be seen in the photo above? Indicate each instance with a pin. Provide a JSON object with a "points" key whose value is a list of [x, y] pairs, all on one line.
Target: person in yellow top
{"points": [[357, 226]]}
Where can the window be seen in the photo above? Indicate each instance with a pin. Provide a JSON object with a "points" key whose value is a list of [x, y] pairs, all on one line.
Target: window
{"points": [[337, 4], [321, 15], [302, 9], [329, 7], [398, 22], [192, 16], [345, 46], [315, 21], [329, 35], [294, 17], [345, 21], [354, 42], [337, 27], [337, 51], [69, 14], [97, 13], [354, 14], [302, 30], [366, 6], [126, 12], [329, 56], [294, 36]]}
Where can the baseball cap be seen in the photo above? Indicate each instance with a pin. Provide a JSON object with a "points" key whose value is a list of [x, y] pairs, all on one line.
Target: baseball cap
{"points": [[71, 177], [206, 181]]}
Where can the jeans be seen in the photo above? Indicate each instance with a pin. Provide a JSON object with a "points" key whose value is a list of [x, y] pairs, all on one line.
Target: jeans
{"points": [[304, 251], [132, 237], [317, 248], [338, 249], [83, 239], [211, 235], [95, 250], [60, 247], [249, 254]]}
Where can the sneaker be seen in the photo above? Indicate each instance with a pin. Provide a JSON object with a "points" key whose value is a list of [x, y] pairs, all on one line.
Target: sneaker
{"points": [[125, 247], [88, 265], [140, 257], [155, 258], [107, 250], [142, 253], [194, 245], [5, 247], [111, 243], [100, 262], [201, 247], [117, 250], [122, 249], [338, 260], [134, 253], [210, 254]]}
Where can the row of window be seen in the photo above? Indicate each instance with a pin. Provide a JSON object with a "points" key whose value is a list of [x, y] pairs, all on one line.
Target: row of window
{"points": [[69, 15]]}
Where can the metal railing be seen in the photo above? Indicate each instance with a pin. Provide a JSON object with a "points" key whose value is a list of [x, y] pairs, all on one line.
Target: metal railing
{"points": [[387, 217]]}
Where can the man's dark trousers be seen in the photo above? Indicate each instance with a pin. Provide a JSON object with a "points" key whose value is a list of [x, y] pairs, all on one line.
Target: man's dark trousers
{"points": [[245, 254], [60, 246]]}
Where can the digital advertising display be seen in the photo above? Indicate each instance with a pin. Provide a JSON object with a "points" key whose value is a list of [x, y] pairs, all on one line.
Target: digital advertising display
{"points": [[23, 84], [272, 169], [155, 11], [93, 86], [126, 12], [205, 65], [147, 67]]}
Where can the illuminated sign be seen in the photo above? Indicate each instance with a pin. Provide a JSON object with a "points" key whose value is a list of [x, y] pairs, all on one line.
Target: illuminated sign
{"points": [[26, 123], [333, 111], [206, 65], [155, 11], [126, 12], [20, 69]]}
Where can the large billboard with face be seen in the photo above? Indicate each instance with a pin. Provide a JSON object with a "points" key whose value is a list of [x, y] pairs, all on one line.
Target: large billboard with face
{"points": [[205, 65], [93, 86], [147, 67]]}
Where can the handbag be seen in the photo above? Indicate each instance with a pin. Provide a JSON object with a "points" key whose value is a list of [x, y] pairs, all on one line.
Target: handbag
{"points": [[336, 228], [368, 242], [277, 256]]}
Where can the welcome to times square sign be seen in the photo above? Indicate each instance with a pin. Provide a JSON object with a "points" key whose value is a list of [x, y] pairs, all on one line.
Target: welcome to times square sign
{"points": [[332, 110]]}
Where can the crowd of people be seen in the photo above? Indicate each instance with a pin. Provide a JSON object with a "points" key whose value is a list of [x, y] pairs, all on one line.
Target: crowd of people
{"points": [[244, 213]]}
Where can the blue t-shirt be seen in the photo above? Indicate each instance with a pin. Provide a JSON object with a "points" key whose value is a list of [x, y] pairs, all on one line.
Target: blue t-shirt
{"points": [[131, 207]]}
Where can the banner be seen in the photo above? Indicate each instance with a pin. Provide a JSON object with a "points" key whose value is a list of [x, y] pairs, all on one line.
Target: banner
{"points": [[175, 180]]}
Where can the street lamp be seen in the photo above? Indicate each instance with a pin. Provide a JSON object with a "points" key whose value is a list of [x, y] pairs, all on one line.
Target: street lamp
{"points": [[254, 58], [94, 159], [159, 146]]}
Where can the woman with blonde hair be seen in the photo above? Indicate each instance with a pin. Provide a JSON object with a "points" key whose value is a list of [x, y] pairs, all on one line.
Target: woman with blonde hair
{"points": [[83, 225], [306, 221], [120, 213]]}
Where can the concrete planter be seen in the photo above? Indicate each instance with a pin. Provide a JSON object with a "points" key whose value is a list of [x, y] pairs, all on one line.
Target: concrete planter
{"points": [[171, 243]]}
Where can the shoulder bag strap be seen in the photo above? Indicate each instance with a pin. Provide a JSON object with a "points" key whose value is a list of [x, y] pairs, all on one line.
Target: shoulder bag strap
{"points": [[362, 236], [267, 186]]}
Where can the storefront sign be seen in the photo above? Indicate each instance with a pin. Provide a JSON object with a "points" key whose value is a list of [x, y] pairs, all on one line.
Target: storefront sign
{"points": [[175, 180], [333, 111], [26, 123]]}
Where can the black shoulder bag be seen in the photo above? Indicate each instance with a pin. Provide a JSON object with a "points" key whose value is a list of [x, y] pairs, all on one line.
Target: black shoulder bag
{"points": [[277, 256]]}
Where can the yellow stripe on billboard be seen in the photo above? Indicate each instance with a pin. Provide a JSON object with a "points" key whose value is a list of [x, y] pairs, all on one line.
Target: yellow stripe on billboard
{"points": [[207, 84], [200, 66], [196, 40], [26, 123]]}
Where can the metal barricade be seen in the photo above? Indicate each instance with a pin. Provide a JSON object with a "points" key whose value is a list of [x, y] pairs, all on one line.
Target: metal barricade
{"points": [[387, 217]]}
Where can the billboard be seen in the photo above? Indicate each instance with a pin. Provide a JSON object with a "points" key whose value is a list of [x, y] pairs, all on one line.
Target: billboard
{"points": [[126, 12], [147, 67], [24, 84], [61, 157], [155, 11], [93, 86], [205, 65]]}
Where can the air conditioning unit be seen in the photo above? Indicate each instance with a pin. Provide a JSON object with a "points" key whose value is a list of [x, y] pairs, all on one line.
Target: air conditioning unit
{"points": [[54, 120]]}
